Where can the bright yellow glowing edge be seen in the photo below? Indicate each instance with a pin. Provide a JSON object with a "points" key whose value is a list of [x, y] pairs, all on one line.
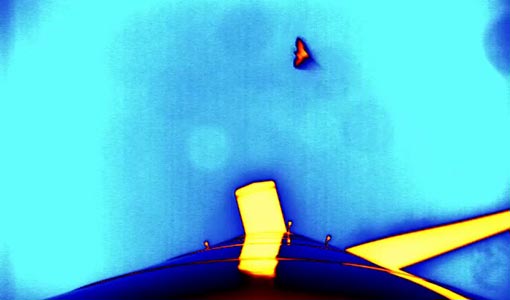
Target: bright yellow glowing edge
{"points": [[400, 251], [264, 228]]}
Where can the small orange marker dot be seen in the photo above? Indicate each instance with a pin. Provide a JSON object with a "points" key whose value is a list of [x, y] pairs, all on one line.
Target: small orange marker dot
{"points": [[328, 238], [289, 224]]}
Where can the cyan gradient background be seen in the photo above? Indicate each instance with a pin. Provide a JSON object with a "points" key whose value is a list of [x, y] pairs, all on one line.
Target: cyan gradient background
{"points": [[126, 126]]}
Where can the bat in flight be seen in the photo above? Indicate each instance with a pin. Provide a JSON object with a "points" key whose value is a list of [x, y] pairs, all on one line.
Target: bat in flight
{"points": [[302, 54]]}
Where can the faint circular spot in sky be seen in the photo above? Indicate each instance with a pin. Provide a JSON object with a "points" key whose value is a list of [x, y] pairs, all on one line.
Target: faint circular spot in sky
{"points": [[367, 127], [208, 148], [490, 257], [320, 128], [497, 44]]}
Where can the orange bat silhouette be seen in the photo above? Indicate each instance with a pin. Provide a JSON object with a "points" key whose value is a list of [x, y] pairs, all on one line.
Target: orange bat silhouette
{"points": [[301, 53]]}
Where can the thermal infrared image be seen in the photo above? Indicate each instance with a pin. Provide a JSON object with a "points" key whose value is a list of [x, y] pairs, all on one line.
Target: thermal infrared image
{"points": [[239, 149]]}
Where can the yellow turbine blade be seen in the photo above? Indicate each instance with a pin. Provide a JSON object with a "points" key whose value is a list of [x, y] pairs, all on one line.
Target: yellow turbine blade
{"points": [[264, 228], [431, 286], [260, 209], [418, 280], [403, 250], [258, 256]]}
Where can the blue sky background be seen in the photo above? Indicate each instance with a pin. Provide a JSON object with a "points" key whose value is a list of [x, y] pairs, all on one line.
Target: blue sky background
{"points": [[126, 127]]}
